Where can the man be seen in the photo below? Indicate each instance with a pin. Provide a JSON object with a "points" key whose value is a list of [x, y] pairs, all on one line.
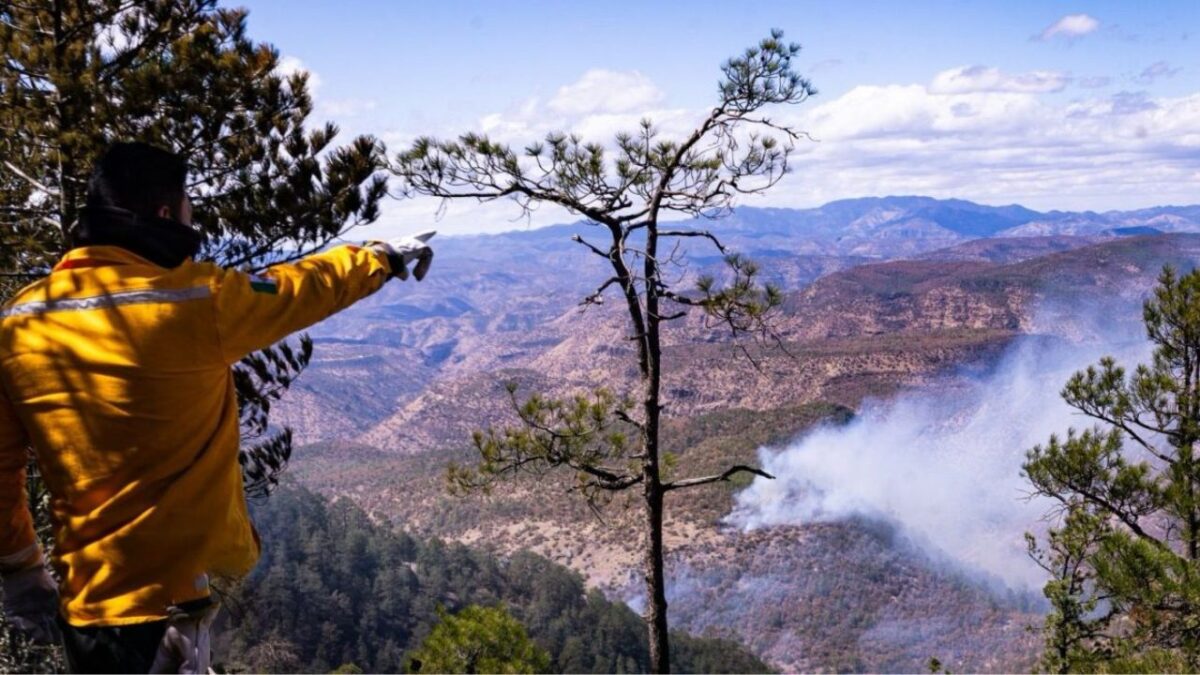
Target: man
{"points": [[115, 369]]}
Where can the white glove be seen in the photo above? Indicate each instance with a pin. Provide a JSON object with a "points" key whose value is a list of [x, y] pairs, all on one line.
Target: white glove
{"points": [[31, 603], [404, 250], [186, 646]]}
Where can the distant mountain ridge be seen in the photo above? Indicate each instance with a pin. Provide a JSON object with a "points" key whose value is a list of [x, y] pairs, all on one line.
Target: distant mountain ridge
{"points": [[958, 216], [873, 227]]}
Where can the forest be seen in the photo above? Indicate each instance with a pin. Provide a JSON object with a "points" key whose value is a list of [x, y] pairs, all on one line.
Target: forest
{"points": [[336, 588]]}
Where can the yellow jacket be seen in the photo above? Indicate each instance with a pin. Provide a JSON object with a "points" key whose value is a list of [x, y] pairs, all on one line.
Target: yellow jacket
{"points": [[117, 372]]}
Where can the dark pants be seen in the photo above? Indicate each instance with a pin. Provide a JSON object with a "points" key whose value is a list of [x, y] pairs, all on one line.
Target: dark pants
{"points": [[111, 649]]}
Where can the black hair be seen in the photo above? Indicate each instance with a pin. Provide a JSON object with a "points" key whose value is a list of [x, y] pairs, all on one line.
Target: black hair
{"points": [[138, 177]]}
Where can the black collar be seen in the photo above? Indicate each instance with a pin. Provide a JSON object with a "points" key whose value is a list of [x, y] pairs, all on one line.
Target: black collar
{"points": [[162, 241]]}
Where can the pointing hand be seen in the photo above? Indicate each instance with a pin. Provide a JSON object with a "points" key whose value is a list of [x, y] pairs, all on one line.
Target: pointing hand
{"points": [[404, 250]]}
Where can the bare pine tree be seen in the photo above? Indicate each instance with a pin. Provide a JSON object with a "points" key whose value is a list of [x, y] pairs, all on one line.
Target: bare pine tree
{"points": [[612, 443]]}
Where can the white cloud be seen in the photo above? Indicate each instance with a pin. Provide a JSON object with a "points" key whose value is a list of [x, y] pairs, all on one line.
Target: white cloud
{"points": [[1121, 151], [606, 91], [599, 105], [985, 136], [967, 79], [290, 64], [1070, 26], [325, 108]]}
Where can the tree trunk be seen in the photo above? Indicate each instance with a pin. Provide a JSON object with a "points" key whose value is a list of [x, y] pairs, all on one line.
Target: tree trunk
{"points": [[652, 561], [61, 73], [656, 589]]}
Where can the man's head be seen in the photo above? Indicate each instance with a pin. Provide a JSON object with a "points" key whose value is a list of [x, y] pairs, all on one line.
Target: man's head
{"points": [[138, 177]]}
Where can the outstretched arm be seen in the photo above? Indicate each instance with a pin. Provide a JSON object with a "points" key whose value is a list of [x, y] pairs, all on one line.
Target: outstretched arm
{"points": [[256, 311]]}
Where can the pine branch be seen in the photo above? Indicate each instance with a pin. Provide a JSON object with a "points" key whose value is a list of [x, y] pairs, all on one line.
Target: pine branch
{"points": [[597, 297], [695, 233], [607, 255], [724, 476], [32, 181]]}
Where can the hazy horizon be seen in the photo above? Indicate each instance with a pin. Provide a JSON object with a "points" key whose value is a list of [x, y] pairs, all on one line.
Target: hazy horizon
{"points": [[519, 226], [1051, 105]]}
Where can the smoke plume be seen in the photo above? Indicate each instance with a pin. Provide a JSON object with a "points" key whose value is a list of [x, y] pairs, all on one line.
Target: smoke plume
{"points": [[945, 463]]}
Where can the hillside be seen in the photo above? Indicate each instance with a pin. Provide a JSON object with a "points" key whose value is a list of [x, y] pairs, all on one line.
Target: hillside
{"points": [[335, 588], [817, 597], [862, 321], [861, 331], [1010, 249], [510, 302], [923, 296]]}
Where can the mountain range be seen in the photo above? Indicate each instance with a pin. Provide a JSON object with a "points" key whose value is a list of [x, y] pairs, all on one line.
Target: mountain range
{"points": [[882, 296]]}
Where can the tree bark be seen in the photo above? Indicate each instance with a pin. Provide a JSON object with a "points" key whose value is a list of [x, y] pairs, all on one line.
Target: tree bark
{"points": [[61, 73], [656, 591]]}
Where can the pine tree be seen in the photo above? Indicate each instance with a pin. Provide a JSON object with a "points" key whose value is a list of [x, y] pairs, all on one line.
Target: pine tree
{"points": [[181, 74], [610, 442], [479, 640], [1125, 577]]}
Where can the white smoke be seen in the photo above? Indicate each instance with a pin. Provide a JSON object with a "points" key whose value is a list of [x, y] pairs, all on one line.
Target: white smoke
{"points": [[946, 464]]}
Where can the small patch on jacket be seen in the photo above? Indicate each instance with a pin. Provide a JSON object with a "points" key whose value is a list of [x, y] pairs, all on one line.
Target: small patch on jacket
{"points": [[263, 285]]}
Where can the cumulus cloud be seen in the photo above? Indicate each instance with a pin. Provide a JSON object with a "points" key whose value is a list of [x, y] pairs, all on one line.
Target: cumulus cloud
{"points": [[968, 79], [597, 106], [1122, 151], [1070, 26], [606, 91], [325, 107], [974, 132], [288, 65]]}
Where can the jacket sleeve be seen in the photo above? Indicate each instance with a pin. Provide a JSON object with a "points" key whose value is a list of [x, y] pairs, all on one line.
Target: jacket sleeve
{"points": [[18, 545], [255, 311]]}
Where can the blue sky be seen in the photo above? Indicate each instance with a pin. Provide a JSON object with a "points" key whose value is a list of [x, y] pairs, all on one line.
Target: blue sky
{"points": [[1051, 105]]}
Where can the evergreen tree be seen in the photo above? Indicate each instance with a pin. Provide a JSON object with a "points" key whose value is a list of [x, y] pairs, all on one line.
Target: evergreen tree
{"points": [[610, 443], [1125, 586], [182, 74], [479, 640], [305, 610]]}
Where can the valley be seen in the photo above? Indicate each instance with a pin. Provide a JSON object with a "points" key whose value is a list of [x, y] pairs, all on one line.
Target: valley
{"points": [[884, 297]]}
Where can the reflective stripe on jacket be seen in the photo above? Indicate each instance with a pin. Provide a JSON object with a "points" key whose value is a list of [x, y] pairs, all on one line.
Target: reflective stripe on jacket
{"points": [[117, 373]]}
